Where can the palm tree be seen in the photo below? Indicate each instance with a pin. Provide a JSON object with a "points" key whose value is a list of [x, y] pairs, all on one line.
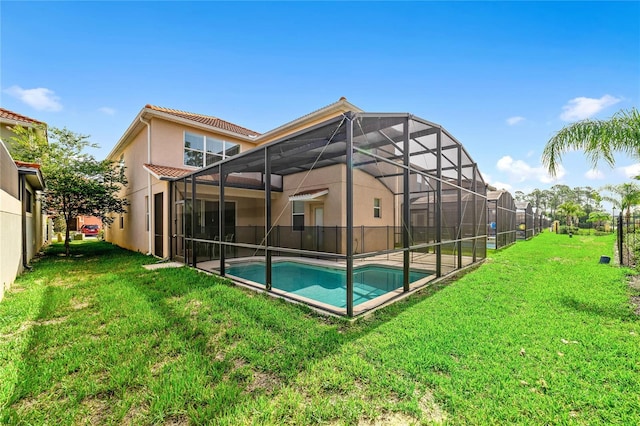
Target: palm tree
{"points": [[571, 211], [599, 139], [627, 195]]}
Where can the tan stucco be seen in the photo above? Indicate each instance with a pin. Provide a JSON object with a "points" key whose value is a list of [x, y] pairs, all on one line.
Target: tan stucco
{"points": [[11, 218], [167, 149], [308, 120], [10, 235]]}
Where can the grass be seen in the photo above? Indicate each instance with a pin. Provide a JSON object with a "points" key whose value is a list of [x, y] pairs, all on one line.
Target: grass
{"points": [[540, 334]]}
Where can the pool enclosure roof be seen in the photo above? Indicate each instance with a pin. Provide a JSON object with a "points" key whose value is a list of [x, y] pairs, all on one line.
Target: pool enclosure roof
{"points": [[380, 145]]}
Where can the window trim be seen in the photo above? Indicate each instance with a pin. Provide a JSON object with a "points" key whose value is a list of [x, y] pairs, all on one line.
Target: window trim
{"points": [[28, 201], [295, 227], [377, 209], [226, 146]]}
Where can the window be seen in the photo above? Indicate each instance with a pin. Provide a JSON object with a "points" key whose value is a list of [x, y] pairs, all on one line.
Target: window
{"points": [[28, 201], [298, 215], [200, 151], [377, 210], [121, 222], [121, 164]]}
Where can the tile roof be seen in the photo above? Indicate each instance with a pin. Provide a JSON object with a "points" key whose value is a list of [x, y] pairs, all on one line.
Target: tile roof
{"points": [[168, 172], [233, 180], [206, 119], [28, 165], [10, 115], [310, 192]]}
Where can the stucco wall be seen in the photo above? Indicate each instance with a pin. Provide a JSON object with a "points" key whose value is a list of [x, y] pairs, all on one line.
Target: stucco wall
{"points": [[167, 149], [10, 223], [365, 189], [11, 237]]}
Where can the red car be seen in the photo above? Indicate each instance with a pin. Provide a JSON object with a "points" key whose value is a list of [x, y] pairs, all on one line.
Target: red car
{"points": [[90, 230]]}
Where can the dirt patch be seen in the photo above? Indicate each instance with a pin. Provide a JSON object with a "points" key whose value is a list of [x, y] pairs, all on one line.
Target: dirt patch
{"points": [[97, 410], [431, 410], [635, 301], [194, 306], [77, 304], [135, 415], [391, 419], [264, 381], [431, 413], [27, 325], [176, 421]]}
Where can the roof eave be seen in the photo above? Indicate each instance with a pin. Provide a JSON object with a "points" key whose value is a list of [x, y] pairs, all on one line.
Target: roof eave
{"points": [[339, 105], [34, 177], [147, 113]]}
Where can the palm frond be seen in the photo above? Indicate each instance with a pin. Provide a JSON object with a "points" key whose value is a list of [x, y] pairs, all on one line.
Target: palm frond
{"points": [[599, 139]]}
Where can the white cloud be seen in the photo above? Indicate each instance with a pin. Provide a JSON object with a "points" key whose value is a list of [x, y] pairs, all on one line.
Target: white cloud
{"points": [[41, 98], [594, 174], [520, 171], [107, 110], [502, 185], [630, 171], [581, 108], [512, 121]]}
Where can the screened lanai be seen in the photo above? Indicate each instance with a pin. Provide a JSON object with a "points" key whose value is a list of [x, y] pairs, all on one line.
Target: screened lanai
{"points": [[525, 221], [501, 219], [343, 216]]}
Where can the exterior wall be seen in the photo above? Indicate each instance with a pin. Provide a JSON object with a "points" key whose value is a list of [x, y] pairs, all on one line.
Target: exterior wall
{"points": [[11, 237], [10, 222], [167, 149], [167, 139], [365, 189], [86, 220], [132, 236]]}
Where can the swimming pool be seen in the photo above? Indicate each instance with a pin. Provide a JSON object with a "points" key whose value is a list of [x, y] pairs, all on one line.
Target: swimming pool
{"points": [[325, 284]]}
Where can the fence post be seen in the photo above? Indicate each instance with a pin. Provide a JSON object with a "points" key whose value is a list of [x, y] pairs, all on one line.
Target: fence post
{"points": [[620, 239]]}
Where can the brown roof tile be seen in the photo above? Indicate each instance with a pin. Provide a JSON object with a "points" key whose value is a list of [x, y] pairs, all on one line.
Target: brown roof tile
{"points": [[166, 171], [10, 115], [29, 165], [206, 119], [233, 180]]}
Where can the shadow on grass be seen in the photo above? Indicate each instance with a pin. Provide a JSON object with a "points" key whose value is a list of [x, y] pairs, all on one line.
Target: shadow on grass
{"points": [[606, 311], [205, 345]]}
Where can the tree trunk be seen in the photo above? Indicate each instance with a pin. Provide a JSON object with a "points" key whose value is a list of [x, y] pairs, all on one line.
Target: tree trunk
{"points": [[67, 240]]}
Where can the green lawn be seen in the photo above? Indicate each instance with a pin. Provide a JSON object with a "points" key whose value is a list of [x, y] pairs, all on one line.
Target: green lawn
{"points": [[540, 334]]}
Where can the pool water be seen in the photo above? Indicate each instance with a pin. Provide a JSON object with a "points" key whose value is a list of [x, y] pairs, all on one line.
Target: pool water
{"points": [[326, 284]]}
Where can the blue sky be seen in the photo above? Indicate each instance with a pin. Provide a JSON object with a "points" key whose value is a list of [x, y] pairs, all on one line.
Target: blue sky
{"points": [[502, 77]]}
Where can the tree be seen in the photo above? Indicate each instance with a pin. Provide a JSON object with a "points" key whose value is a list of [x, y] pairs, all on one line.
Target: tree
{"points": [[77, 183], [571, 211], [599, 139], [626, 196], [599, 219]]}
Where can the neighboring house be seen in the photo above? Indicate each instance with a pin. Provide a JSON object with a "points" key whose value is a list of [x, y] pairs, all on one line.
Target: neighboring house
{"points": [[78, 221], [24, 225], [501, 219], [162, 144], [525, 220], [10, 119]]}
